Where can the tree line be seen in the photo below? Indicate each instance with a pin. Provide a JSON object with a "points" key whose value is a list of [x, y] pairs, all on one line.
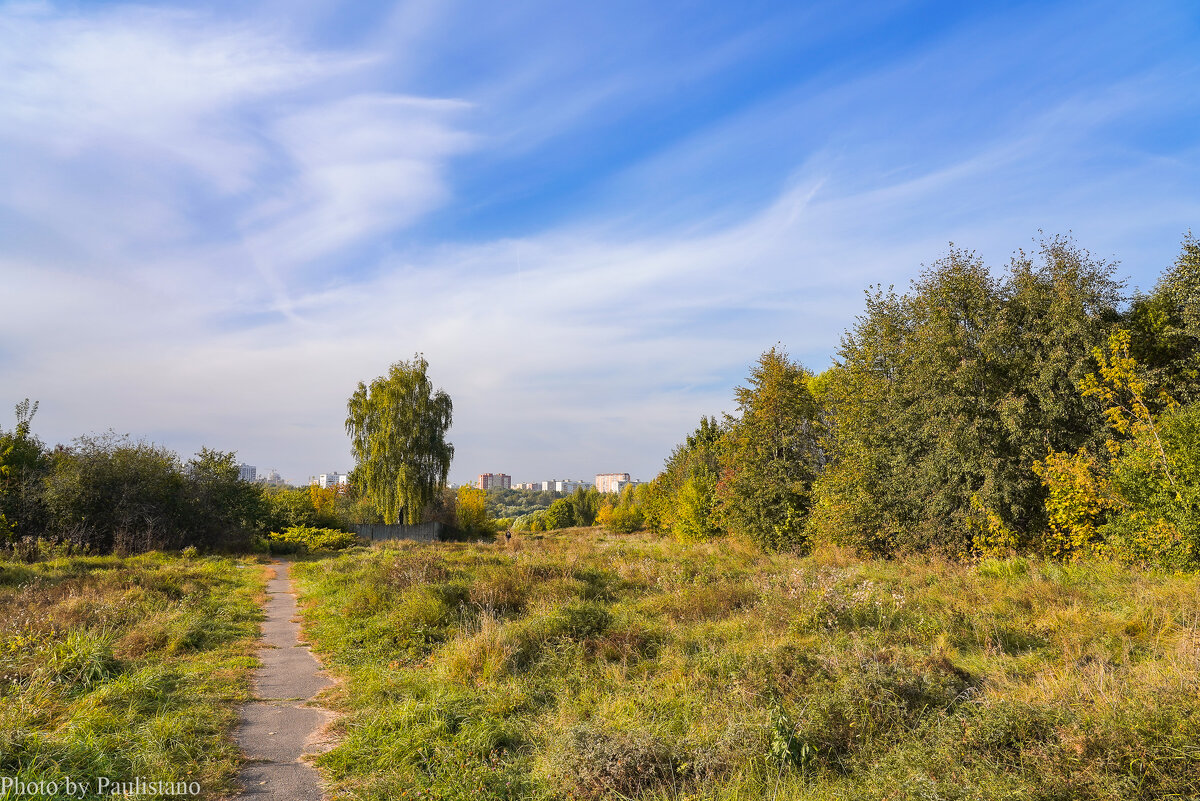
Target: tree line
{"points": [[1038, 408], [109, 493]]}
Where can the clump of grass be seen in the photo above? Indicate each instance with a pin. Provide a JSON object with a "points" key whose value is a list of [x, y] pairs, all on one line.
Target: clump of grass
{"points": [[624, 667], [125, 667]]}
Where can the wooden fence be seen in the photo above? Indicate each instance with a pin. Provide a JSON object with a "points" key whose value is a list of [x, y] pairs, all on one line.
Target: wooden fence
{"points": [[422, 532]]}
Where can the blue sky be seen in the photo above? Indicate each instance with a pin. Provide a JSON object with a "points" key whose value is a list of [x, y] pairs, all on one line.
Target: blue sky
{"points": [[216, 218]]}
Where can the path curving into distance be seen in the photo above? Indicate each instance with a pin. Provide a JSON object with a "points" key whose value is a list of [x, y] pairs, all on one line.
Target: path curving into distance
{"points": [[278, 728]]}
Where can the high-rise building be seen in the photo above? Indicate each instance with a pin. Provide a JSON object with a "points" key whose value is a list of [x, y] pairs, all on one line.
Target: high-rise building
{"points": [[272, 479], [611, 482], [494, 481], [247, 472]]}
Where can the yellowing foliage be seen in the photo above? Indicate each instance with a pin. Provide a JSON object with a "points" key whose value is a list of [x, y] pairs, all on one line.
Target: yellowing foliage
{"points": [[322, 499], [990, 537], [471, 511], [1079, 498], [1123, 392]]}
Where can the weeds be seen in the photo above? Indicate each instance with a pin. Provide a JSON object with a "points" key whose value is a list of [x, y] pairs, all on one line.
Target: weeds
{"points": [[124, 668], [587, 666]]}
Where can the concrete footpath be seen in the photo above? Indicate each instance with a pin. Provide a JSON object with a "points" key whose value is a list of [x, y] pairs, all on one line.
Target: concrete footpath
{"points": [[278, 728]]}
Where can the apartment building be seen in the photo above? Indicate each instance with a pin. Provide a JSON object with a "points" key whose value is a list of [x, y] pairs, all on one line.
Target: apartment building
{"points": [[611, 482], [494, 481], [272, 479], [327, 480]]}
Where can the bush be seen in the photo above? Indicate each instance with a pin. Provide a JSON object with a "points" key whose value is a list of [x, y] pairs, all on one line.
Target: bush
{"points": [[620, 520], [1158, 518], [306, 538], [471, 514]]}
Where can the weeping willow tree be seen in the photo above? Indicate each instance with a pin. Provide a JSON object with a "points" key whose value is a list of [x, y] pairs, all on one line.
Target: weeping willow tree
{"points": [[397, 426]]}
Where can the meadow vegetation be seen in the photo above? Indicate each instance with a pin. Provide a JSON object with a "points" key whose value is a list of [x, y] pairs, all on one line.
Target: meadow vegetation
{"points": [[580, 664], [126, 667]]}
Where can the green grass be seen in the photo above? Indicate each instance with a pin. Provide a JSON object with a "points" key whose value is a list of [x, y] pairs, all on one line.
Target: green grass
{"points": [[126, 667], [583, 665]]}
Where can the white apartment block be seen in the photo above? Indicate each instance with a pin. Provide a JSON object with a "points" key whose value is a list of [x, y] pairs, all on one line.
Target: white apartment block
{"points": [[558, 485], [327, 480], [247, 472], [611, 482]]}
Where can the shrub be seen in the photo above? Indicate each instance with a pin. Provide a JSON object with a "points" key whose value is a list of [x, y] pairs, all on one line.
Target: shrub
{"points": [[307, 538], [1077, 497], [624, 764]]}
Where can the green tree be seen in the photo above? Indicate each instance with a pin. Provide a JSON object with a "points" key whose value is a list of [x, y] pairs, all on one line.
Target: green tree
{"points": [[23, 464], [287, 507], [944, 398], [561, 514], [851, 499], [223, 509], [770, 454], [1055, 312], [585, 505], [692, 471], [397, 427], [1165, 327]]}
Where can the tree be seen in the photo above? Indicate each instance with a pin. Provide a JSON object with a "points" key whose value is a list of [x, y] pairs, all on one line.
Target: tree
{"points": [[1144, 504], [945, 397], [561, 514], [622, 514], [222, 509], [397, 427], [680, 500], [471, 514], [770, 456], [1165, 327], [23, 463], [585, 505]]}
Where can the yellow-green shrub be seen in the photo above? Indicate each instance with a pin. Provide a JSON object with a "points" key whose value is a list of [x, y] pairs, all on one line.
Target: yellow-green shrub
{"points": [[1078, 497], [307, 538]]}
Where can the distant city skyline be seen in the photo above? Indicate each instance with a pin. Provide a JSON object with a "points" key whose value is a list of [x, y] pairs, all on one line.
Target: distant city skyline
{"points": [[590, 218]]}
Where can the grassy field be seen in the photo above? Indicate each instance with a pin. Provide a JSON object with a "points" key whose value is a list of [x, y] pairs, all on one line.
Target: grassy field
{"points": [[122, 668], [582, 665]]}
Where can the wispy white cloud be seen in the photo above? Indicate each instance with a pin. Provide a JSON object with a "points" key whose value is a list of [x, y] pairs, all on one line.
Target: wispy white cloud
{"points": [[207, 226], [359, 166], [134, 131]]}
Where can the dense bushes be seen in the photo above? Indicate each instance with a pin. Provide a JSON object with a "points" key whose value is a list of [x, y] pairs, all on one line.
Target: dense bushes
{"points": [[110, 493]]}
